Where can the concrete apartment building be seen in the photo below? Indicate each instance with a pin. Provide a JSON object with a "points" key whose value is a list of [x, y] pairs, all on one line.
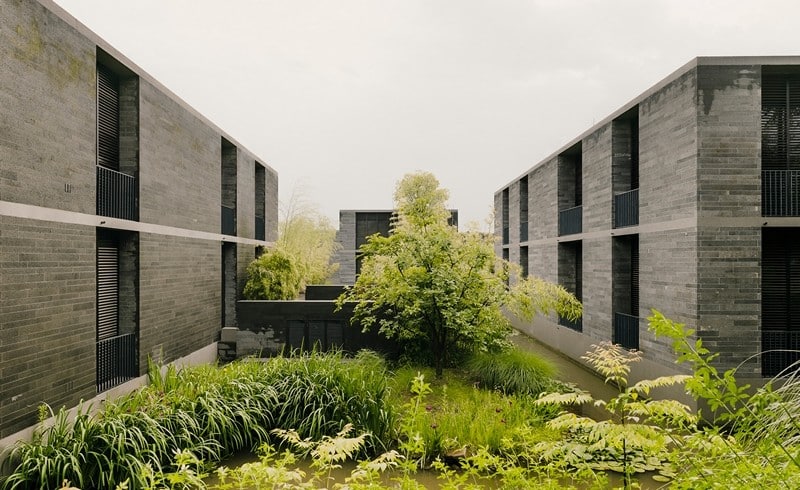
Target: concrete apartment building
{"points": [[127, 219], [687, 200], [355, 225]]}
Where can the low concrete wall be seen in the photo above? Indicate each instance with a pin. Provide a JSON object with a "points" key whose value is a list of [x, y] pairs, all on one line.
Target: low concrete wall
{"points": [[206, 355], [269, 327]]}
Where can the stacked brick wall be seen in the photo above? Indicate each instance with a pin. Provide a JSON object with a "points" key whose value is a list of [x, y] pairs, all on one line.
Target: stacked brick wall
{"points": [[180, 297], [346, 255], [668, 152], [271, 216], [47, 307], [597, 193], [47, 121], [179, 165], [668, 283], [245, 190], [729, 187]]}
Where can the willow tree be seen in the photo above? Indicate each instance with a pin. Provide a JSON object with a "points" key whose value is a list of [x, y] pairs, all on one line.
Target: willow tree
{"points": [[439, 292]]}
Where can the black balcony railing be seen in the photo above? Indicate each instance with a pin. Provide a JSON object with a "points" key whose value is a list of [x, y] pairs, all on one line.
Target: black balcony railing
{"points": [[626, 330], [116, 194], [505, 235], [570, 221], [228, 221], [260, 229], [780, 192], [576, 325], [117, 361], [780, 352], [626, 209], [523, 231]]}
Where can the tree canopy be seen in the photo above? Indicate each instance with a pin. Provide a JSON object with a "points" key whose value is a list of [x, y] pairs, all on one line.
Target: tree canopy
{"points": [[440, 292], [302, 254]]}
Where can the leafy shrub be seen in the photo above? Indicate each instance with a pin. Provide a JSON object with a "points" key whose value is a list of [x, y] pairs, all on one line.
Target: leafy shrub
{"points": [[275, 275], [512, 372], [450, 415]]}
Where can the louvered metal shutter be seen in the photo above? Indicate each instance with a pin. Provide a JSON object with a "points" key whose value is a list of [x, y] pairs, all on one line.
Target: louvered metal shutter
{"points": [[107, 119], [107, 290], [635, 276], [780, 299], [780, 122]]}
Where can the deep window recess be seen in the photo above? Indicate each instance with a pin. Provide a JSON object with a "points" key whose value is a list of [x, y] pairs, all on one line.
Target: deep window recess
{"points": [[228, 163], [107, 118], [117, 139], [368, 224], [570, 191], [625, 168], [780, 142], [117, 308], [523, 261], [523, 209], [570, 275], [107, 288], [625, 279], [780, 299], [260, 197], [505, 216]]}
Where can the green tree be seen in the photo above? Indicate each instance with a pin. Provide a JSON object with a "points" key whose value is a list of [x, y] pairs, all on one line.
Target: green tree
{"points": [[302, 253], [309, 236], [438, 291], [274, 275]]}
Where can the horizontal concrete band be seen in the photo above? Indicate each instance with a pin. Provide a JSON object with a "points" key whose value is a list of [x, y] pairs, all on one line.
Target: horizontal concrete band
{"points": [[39, 213], [679, 224]]}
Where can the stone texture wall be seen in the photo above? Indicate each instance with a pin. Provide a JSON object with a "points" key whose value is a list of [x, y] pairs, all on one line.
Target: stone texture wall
{"points": [[48, 258], [179, 165], [668, 212], [180, 296], [729, 192], [47, 313], [346, 255], [47, 121]]}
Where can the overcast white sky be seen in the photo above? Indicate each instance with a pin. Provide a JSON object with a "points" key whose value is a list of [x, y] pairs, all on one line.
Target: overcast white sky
{"points": [[345, 97]]}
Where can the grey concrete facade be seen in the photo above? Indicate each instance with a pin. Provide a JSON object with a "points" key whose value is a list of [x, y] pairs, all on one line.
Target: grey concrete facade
{"points": [[49, 220], [700, 215]]}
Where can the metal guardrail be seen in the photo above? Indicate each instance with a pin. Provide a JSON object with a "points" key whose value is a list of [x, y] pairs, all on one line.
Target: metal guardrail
{"points": [[626, 330], [570, 221], [116, 194], [576, 325], [780, 350], [228, 221], [780, 192], [626, 209], [117, 361]]}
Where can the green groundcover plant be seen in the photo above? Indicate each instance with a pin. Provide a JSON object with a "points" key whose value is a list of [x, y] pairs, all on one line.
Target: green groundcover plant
{"points": [[326, 409]]}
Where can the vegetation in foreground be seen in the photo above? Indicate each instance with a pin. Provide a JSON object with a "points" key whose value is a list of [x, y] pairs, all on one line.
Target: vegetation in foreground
{"points": [[168, 434]]}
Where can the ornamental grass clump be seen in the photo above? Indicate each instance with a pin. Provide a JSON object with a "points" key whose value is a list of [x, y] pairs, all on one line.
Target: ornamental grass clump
{"points": [[512, 372], [319, 393], [204, 413]]}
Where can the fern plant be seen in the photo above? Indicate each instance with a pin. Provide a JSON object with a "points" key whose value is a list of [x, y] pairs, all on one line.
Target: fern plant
{"points": [[636, 436]]}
